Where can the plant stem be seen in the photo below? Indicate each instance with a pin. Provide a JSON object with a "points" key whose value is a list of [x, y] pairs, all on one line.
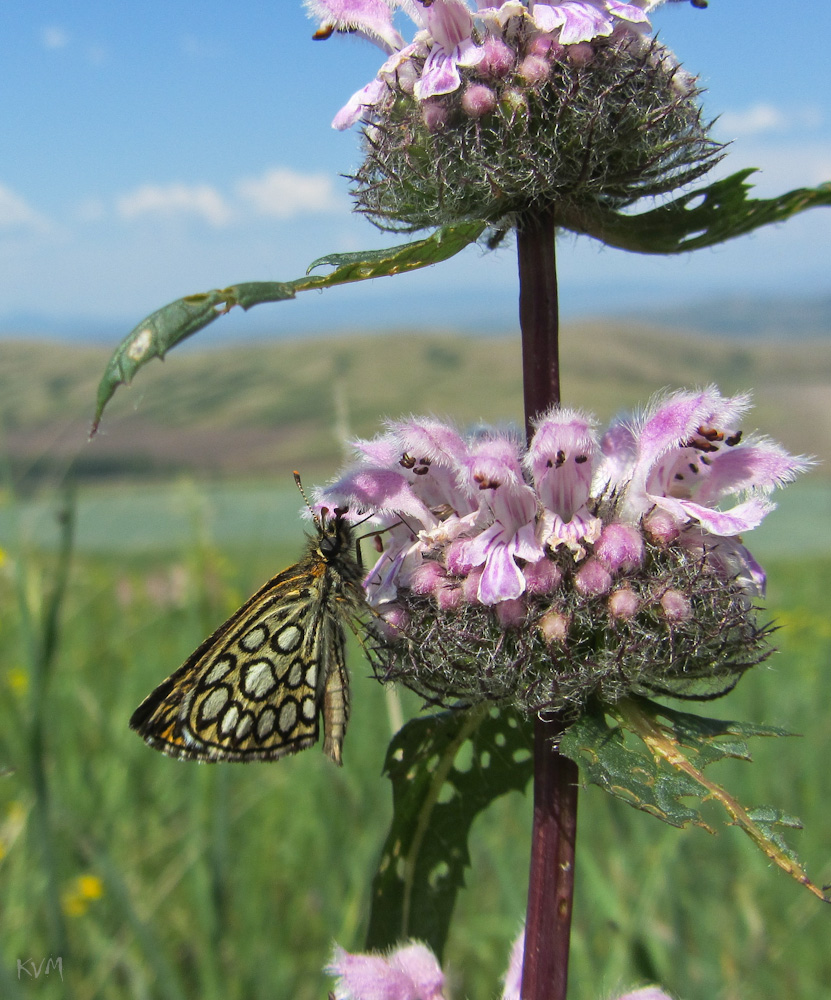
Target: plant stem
{"points": [[551, 881], [43, 652], [539, 316], [551, 878]]}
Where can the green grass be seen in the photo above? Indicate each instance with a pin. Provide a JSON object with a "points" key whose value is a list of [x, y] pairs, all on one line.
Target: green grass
{"points": [[232, 882]]}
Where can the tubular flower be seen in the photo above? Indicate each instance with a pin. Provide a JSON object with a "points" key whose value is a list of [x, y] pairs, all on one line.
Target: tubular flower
{"points": [[684, 456], [585, 20], [454, 117], [412, 972], [577, 565]]}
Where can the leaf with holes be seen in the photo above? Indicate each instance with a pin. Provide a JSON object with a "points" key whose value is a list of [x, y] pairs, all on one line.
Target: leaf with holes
{"points": [[444, 769], [173, 323], [669, 765], [723, 212]]}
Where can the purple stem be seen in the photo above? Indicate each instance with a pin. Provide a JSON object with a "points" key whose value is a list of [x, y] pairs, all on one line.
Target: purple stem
{"points": [[551, 878]]}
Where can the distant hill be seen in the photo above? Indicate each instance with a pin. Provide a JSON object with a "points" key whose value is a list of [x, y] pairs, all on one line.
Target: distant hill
{"points": [[265, 408], [746, 316], [740, 315]]}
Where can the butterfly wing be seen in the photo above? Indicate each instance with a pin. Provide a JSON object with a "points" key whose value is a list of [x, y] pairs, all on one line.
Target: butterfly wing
{"points": [[255, 689]]}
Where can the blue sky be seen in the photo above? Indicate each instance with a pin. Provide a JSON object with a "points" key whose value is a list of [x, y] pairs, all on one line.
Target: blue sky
{"points": [[156, 149]]}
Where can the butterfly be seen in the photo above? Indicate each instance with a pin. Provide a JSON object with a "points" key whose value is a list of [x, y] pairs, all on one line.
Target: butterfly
{"points": [[256, 689]]}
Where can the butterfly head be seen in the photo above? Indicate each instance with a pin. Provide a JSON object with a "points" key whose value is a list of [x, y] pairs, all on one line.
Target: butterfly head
{"points": [[334, 534]]}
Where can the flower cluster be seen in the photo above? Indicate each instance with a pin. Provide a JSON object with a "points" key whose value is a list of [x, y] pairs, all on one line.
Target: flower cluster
{"points": [[581, 564], [412, 972], [489, 112]]}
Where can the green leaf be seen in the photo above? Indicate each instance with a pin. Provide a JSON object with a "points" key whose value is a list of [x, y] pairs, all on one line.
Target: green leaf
{"points": [[724, 212], [444, 770], [173, 323], [668, 767]]}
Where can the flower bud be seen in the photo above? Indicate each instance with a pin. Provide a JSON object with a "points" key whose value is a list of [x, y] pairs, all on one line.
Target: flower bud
{"points": [[545, 46], [434, 115], [427, 577], [624, 603], [619, 548], [676, 606], [470, 585], [448, 598], [661, 527], [592, 579], [498, 60], [533, 70], [511, 613], [542, 577], [554, 626], [478, 100], [514, 103], [391, 621], [580, 54]]}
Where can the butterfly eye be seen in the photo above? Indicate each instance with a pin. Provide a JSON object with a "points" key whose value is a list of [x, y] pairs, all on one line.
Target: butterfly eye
{"points": [[328, 546]]}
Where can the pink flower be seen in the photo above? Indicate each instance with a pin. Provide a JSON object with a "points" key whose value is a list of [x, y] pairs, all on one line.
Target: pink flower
{"points": [[560, 461], [494, 522], [584, 20], [445, 41], [371, 19], [410, 972], [509, 508], [687, 454], [450, 25]]}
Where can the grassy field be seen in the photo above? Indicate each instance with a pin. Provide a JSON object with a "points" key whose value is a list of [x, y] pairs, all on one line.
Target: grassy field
{"points": [[151, 878], [264, 409]]}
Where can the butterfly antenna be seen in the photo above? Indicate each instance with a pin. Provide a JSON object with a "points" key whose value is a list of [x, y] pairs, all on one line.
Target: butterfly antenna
{"points": [[305, 498]]}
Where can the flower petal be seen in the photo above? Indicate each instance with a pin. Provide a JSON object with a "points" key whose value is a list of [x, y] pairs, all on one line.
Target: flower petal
{"points": [[365, 490], [356, 106], [743, 517], [761, 465], [371, 19], [502, 579], [408, 973]]}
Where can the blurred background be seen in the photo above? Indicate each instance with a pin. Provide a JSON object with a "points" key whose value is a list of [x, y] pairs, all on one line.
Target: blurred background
{"points": [[151, 152]]}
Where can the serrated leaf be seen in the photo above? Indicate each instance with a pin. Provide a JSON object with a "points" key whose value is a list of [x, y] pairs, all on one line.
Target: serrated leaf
{"points": [[444, 770], [178, 320], [669, 766], [627, 772], [723, 212]]}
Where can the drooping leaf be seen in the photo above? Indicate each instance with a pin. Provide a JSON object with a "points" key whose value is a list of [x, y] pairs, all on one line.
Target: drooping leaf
{"points": [[696, 219], [668, 768], [173, 323], [444, 769]]}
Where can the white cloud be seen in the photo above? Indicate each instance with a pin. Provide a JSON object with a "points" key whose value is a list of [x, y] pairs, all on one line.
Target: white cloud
{"points": [[283, 193], [763, 117], [16, 213], [54, 37], [170, 200]]}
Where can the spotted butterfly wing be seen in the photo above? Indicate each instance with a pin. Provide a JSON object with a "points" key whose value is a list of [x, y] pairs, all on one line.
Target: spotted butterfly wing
{"points": [[256, 689]]}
